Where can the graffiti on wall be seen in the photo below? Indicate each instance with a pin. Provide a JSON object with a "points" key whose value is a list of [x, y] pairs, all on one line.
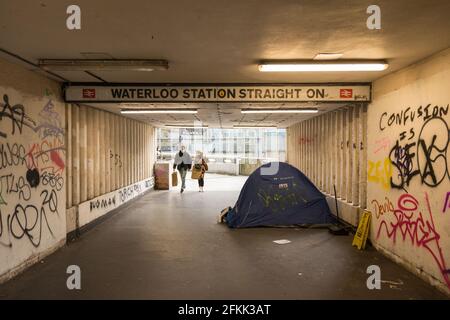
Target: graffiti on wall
{"points": [[412, 151], [16, 115], [305, 140], [29, 221], [380, 172], [104, 203], [31, 172], [130, 192], [409, 116], [94, 208], [382, 145], [413, 223], [381, 208], [49, 124], [446, 203], [424, 157], [418, 152], [116, 160], [116, 198]]}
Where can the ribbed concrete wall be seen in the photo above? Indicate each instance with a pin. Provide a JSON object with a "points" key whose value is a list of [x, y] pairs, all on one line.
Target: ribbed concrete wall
{"points": [[106, 152], [331, 150]]}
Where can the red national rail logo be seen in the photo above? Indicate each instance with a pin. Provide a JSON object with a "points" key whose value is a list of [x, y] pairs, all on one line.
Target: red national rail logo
{"points": [[89, 93], [346, 93]]}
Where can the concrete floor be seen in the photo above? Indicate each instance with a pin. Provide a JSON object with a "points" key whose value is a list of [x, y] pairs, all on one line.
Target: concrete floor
{"points": [[165, 245]]}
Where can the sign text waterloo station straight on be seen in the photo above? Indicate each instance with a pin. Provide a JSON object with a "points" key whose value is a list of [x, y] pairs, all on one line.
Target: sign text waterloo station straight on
{"points": [[254, 93]]}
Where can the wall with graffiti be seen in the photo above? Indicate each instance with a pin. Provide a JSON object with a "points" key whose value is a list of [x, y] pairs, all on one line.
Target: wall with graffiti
{"points": [[32, 168], [97, 207], [408, 168]]}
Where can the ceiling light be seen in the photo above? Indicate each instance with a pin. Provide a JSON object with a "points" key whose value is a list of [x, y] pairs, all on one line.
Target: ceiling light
{"points": [[103, 65], [323, 66], [157, 111], [302, 110], [177, 126], [253, 127]]}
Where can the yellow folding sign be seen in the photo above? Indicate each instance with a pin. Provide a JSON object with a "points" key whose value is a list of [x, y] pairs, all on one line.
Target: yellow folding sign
{"points": [[362, 232]]}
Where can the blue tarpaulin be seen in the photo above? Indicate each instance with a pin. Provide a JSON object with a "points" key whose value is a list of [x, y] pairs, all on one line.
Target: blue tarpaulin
{"points": [[287, 197]]}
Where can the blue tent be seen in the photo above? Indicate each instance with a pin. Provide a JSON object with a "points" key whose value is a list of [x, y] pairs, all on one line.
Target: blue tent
{"points": [[287, 197]]}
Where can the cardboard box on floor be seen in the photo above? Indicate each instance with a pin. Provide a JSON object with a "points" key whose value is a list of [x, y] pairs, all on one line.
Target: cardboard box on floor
{"points": [[163, 175]]}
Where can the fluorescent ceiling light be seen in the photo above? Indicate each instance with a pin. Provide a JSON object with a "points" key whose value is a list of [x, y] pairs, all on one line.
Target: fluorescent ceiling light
{"points": [[177, 126], [253, 127], [323, 66], [302, 110], [103, 65], [158, 111]]}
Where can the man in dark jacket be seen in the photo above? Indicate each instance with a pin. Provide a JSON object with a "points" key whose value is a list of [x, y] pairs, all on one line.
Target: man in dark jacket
{"points": [[183, 163]]}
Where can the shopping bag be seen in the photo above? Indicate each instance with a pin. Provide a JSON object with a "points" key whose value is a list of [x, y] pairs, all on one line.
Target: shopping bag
{"points": [[174, 179], [196, 172]]}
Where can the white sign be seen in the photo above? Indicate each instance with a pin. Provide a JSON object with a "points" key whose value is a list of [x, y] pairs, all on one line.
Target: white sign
{"points": [[217, 93]]}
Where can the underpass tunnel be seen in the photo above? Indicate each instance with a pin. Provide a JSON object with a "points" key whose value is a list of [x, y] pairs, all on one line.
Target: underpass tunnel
{"points": [[92, 120]]}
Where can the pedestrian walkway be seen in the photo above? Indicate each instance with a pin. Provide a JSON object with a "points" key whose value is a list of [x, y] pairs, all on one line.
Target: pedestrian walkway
{"points": [[167, 245]]}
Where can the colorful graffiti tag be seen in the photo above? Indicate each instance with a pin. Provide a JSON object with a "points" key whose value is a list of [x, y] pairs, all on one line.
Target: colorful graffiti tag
{"points": [[380, 172], [413, 144], [415, 224], [32, 172]]}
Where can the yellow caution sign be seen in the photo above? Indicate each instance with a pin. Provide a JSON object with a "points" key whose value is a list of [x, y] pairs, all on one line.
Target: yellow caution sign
{"points": [[362, 232]]}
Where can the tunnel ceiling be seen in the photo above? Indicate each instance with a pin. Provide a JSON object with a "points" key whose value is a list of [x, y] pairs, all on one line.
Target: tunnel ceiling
{"points": [[222, 41], [221, 115]]}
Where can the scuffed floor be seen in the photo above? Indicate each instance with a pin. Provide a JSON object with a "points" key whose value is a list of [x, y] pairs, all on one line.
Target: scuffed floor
{"points": [[168, 246]]}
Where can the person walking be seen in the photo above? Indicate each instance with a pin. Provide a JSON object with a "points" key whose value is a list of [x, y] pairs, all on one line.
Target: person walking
{"points": [[201, 162], [183, 163]]}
